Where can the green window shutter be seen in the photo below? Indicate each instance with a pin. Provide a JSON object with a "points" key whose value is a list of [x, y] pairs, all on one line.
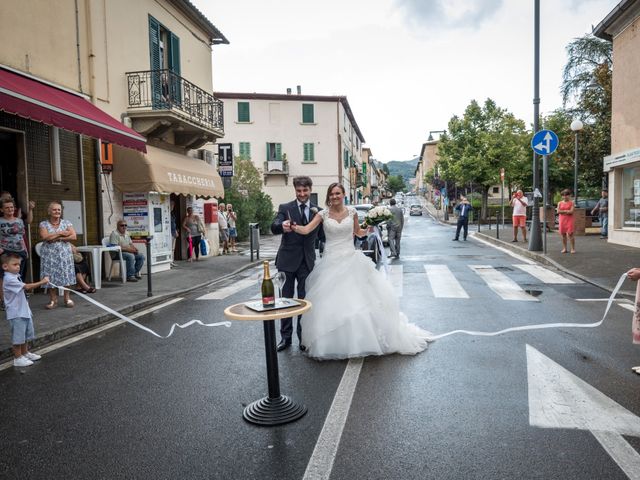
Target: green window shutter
{"points": [[309, 152], [245, 150], [268, 144], [307, 113], [154, 43], [345, 158], [279, 152], [174, 53], [243, 112]]}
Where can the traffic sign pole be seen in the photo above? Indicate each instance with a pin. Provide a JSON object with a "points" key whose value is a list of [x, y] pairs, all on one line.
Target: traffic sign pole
{"points": [[544, 143], [545, 196]]}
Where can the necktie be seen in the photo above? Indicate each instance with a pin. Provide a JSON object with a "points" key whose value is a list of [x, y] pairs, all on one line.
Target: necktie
{"points": [[303, 207]]}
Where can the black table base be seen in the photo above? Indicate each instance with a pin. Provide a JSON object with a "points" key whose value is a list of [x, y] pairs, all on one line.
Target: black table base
{"points": [[273, 411]]}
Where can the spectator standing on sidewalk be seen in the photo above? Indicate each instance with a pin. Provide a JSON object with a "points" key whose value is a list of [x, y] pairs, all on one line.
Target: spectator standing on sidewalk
{"points": [[18, 311], [394, 228], [519, 203], [174, 232], [195, 230], [463, 208], [566, 222], [231, 224], [634, 274], [223, 228], [602, 207], [133, 258]]}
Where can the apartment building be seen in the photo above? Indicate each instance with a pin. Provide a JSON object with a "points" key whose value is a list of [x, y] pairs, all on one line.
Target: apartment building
{"points": [[286, 135], [129, 114]]}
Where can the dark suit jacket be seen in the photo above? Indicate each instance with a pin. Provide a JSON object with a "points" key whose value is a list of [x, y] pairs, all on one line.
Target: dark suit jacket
{"points": [[293, 246]]}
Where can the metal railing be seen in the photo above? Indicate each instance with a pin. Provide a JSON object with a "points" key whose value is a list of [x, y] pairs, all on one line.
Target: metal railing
{"points": [[165, 90]]}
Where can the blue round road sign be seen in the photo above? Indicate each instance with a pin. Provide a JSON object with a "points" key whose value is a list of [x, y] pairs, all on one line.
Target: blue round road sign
{"points": [[544, 142]]}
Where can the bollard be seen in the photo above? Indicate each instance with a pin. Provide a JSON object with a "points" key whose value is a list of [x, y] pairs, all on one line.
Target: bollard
{"points": [[254, 239], [478, 221], [498, 225], [489, 220], [147, 241]]}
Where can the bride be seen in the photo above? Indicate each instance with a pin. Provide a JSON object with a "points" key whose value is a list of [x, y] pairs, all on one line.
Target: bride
{"points": [[355, 311]]}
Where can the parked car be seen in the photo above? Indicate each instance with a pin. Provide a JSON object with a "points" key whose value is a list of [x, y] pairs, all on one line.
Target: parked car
{"points": [[415, 210], [369, 244], [588, 204]]}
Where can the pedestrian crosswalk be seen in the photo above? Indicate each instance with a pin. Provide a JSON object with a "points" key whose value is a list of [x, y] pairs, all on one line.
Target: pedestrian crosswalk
{"points": [[442, 281]]}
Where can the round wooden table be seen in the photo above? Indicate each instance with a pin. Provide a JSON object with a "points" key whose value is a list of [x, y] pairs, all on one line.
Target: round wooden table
{"points": [[274, 409]]}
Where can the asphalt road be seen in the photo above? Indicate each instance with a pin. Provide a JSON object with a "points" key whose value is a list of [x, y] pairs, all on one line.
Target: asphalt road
{"points": [[123, 404]]}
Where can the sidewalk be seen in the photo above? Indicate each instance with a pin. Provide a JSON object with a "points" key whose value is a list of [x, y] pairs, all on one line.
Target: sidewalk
{"points": [[596, 261], [61, 322]]}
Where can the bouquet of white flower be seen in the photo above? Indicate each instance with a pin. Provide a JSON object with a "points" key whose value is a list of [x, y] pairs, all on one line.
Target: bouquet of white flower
{"points": [[377, 215]]}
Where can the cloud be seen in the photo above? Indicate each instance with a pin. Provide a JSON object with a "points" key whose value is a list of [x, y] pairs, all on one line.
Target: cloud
{"points": [[449, 13]]}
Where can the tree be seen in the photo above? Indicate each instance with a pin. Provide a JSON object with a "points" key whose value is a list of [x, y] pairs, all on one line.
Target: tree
{"points": [[396, 184], [476, 146], [586, 93], [250, 203]]}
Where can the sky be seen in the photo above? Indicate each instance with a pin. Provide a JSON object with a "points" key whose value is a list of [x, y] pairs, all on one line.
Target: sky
{"points": [[405, 66]]}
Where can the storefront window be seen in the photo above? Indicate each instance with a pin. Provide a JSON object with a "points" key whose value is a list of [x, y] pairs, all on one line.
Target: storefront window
{"points": [[631, 197]]}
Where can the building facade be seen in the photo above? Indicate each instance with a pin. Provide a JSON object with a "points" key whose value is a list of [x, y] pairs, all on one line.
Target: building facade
{"points": [[148, 66], [622, 27], [287, 135]]}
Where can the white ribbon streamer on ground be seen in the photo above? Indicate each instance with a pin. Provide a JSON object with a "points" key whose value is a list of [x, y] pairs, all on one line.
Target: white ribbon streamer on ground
{"points": [[142, 327], [542, 325], [380, 246]]}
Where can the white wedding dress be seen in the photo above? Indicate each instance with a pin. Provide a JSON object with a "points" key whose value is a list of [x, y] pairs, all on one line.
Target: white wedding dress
{"points": [[354, 311]]}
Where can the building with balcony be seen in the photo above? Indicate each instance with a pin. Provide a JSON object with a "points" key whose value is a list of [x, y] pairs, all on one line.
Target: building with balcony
{"points": [[146, 66], [621, 27], [286, 135]]}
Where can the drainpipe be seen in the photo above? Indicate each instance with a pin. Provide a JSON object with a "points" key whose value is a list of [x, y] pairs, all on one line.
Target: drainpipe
{"points": [[92, 82], [83, 196], [78, 47]]}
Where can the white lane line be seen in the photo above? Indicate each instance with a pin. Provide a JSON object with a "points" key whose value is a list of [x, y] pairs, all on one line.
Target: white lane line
{"points": [[629, 307], [95, 331], [321, 461], [395, 277], [543, 274], [497, 281], [504, 250], [230, 290], [622, 453], [443, 282]]}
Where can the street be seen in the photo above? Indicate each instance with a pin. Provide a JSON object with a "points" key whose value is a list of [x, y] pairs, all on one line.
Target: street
{"points": [[552, 403]]}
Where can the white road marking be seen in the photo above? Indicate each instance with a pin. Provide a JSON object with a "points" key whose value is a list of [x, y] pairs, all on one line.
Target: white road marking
{"points": [[497, 281], [95, 331], [395, 277], [543, 274], [629, 307], [504, 250], [321, 461], [230, 290], [560, 399], [443, 282]]}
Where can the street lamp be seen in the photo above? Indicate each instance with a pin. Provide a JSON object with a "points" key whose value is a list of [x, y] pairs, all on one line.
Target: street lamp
{"points": [[576, 126]]}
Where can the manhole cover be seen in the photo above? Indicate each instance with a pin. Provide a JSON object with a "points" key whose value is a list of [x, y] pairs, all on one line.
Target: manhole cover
{"points": [[534, 293]]}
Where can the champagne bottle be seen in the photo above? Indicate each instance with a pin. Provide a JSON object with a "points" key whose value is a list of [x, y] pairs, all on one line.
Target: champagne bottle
{"points": [[268, 292]]}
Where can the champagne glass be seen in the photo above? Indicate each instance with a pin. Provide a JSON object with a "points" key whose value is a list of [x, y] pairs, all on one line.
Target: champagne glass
{"points": [[278, 281]]}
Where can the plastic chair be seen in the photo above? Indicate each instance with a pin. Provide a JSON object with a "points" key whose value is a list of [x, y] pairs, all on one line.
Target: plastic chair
{"points": [[38, 247], [114, 258]]}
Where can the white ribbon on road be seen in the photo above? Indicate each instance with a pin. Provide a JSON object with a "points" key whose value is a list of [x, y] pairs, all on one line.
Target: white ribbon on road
{"points": [[542, 325], [142, 327]]}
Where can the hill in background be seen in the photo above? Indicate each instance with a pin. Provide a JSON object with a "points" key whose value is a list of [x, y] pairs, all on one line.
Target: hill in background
{"points": [[405, 168]]}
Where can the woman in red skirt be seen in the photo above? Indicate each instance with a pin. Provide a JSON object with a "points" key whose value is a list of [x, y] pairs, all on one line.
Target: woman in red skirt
{"points": [[566, 221]]}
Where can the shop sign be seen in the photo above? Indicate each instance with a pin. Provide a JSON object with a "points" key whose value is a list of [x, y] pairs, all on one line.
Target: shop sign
{"points": [[135, 210], [613, 161], [225, 159]]}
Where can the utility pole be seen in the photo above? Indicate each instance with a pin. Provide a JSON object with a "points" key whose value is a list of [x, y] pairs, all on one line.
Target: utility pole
{"points": [[535, 237]]}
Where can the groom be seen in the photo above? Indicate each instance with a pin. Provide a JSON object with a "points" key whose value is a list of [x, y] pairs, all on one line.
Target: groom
{"points": [[296, 255]]}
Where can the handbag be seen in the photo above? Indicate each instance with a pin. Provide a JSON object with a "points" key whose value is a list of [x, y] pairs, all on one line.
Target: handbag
{"points": [[204, 247]]}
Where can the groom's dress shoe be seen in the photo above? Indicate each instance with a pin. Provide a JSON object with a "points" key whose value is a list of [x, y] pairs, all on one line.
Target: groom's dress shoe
{"points": [[283, 345], [303, 348]]}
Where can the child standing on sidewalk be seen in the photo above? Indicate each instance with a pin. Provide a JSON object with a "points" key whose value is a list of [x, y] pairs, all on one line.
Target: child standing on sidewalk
{"points": [[18, 311]]}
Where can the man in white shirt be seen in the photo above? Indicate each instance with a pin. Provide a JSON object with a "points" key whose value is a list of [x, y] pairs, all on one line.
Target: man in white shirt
{"points": [[223, 228], [519, 203], [130, 254]]}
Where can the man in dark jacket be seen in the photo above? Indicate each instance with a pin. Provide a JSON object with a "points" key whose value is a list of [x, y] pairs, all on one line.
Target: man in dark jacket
{"points": [[463, 209], [296, 255]]}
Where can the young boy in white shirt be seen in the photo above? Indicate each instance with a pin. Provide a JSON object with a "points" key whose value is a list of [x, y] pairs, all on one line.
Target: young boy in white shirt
{"points": [[18, 311]]}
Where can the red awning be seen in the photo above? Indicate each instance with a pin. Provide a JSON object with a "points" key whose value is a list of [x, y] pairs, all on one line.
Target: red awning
{"points": [[44, 103]]}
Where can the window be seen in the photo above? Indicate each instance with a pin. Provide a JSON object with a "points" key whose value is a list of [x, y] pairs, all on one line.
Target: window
{"points": [[54, 145], [309, 154], [307, 113], [164, 55], [496, 189], [243, 112], [245, 150], [345, 158], [274, 152], [631, 197]]}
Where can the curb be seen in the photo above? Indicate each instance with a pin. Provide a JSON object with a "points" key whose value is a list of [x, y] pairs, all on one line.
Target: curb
{"points": [[547, 261], [106, 318]]}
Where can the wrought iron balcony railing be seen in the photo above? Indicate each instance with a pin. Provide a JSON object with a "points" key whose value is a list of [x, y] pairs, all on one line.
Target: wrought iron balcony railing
{"points": [[165, 90]]}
